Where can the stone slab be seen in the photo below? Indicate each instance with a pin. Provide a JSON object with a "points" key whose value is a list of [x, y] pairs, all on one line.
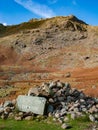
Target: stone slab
{"points": [[31, 104]]}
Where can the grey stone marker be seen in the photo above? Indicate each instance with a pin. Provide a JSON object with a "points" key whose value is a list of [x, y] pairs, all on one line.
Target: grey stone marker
{"points": [[31, 104]]}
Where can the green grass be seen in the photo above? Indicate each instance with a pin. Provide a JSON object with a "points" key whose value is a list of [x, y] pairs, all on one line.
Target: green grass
{"points": [[8, 30], [78, 124], [27, 125]]}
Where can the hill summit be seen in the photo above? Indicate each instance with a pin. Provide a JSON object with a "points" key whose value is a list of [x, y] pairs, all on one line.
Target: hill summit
{"points": [[49, 48], [38, 23]]}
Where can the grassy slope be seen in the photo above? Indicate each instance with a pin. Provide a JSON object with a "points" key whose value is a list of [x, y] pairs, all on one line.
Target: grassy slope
{"points": [[8, 30], [78, 124], [33, 24]]}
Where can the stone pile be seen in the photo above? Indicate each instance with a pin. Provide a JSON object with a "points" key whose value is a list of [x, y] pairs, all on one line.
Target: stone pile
{"points": [[61, 100]]}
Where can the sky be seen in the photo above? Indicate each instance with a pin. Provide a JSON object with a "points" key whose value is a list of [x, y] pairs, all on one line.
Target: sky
{"points": [[17, 11]]}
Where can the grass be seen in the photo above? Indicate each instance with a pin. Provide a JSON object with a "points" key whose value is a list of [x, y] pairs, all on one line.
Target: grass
{"points": [[27, 125], [78, 124]]}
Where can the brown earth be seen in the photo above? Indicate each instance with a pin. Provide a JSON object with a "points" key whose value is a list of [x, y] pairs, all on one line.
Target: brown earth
{"points": [[54, 48]]}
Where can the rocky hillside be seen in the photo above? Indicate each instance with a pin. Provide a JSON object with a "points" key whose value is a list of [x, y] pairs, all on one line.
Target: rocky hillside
{"points": [[45, 49]]}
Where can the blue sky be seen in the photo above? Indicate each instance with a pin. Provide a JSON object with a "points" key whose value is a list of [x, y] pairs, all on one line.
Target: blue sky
{"points": [[17, 11]]}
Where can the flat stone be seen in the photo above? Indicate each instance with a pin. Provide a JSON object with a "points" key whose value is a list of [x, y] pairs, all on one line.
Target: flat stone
{"points": [[31, 104]]}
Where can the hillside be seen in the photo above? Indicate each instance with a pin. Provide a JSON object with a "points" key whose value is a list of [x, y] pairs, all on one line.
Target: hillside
{"points": [[47, 49]]}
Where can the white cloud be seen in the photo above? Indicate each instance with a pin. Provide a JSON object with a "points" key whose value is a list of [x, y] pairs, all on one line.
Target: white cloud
{"points": [[5, 24], [39, 9]]}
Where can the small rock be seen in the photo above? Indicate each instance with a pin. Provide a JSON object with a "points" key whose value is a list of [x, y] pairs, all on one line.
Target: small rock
{"points": [[84, 109], [60, 99], [53, 84], [67, 85], [92, 118], [4, 116], [66, 119], [18, 118], [76, 110], [64, 126], [8, 104], [73, 116], [45, 87], [57, 115], [93, 87], [96, 116], [1, 110], [50, 114], [14, 101], [7, 110], [68, 75], [63, 111], [54, 119], [28, 118], [11, 115], [20, 114], [33, 91], [59, 84], [60, 120], [50, 109], [51, 100]]}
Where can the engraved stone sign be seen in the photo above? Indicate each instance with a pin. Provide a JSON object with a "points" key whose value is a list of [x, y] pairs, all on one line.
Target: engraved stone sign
{"points": [[31, 104]]}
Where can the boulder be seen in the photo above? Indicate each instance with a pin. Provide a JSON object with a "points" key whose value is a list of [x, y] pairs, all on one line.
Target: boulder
{"points": [[31, 104]]}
